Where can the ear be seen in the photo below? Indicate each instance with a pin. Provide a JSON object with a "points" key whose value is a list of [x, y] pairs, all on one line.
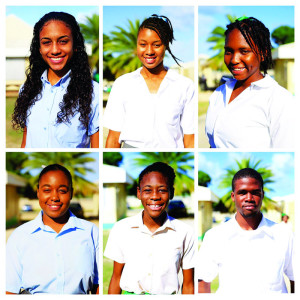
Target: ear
{"points": [[37, 192], [232, 196], [71, 193], [172, 191], [138, 193]]}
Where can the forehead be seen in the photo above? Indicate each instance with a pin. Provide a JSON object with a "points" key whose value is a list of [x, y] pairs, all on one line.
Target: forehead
{"points": [[154, 178], [247, 183], [148, 34], [55, 175], [235, 39], [55, 27]]}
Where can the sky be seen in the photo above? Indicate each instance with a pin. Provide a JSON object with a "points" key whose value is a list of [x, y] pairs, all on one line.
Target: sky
{"points": [[181, 17], [211, 16], [282, 165], [31, 14]]}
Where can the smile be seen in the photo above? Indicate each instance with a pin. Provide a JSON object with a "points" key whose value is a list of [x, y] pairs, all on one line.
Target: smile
{"points": [[56, 60], [54, 207], [150, 60], [237, 70], [155, 206]]}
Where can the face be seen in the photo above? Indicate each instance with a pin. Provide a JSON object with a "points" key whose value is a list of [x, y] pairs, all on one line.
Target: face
{"points": [[54, 194], [240, 59], [248, 196], [56, 46], [154, 193], [150, 49]]}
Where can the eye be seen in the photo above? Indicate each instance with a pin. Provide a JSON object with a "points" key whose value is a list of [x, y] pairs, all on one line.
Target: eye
{"points": [[157, 45], [63, 42], [46, 190], [45, 42], [63, 191], [245, 51]]}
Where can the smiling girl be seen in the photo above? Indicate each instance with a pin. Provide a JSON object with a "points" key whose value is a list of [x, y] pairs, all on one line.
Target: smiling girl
{"points": [[149, 249], [58, 105], [152, 106], [252, 110], [56, 253]]}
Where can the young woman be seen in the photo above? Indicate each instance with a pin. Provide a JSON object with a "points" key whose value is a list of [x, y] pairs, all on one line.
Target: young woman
{"points": [[55, 253], [58, 105], [251, 110], [152, 106], [149, 249]]}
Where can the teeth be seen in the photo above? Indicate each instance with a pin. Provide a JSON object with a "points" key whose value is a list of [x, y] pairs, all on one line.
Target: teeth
{"points": [[56, 58]]}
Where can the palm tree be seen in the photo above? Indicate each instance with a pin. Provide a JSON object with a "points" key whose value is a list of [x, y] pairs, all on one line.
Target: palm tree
{"points": [[217, 37], [226, 181], [90, 31], [181, 162], [75, 162], [121, 45]]}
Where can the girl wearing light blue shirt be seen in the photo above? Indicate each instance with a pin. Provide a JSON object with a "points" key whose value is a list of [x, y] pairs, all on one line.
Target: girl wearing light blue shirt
{"points": [[58, 105]]}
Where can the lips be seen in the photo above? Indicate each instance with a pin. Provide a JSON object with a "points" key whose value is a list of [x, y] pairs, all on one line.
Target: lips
{"points": [[150, 60], [155, 207], [54, 207], [237, 71], [249, 207], [56, 60]]}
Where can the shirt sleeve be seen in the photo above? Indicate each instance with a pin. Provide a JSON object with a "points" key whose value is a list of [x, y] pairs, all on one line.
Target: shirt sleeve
{"points": [[282, 119], [96, 263], [188, 260], [94, 119], [13, 265], [207, 266], [290, 258], [188, 114], [114, 112], [113, 249]]}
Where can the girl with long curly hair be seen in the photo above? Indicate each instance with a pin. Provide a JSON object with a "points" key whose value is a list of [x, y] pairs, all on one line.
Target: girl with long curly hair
{"points": [[58, 105], [152, 106]]}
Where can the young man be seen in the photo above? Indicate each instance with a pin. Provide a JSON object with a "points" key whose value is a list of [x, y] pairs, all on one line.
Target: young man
{"points": [[249, 252]]}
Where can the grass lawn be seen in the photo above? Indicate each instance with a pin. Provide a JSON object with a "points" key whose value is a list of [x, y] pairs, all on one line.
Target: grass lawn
{"points": [[107, 265], [13, 137]]}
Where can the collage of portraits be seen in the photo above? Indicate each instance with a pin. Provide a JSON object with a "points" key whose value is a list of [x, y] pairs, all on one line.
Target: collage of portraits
{"points": [[149, 148]]}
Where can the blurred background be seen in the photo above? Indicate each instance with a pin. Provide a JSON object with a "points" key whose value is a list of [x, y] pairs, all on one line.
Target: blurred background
{"points": [[212, 21], [215, 173], [20, 21], [120, 30], [22, 171], [120, 178]]}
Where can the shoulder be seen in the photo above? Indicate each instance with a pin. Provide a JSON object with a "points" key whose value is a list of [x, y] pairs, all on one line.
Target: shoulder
{"points": [[279, 230], [221, 231], [125, 223], [179, 79], [181, 228], [86, 225], [129, 77]]}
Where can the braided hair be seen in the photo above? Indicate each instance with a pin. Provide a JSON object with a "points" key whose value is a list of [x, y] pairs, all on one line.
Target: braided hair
{"points": [[78, 97], [257, 35], [163, 27]]}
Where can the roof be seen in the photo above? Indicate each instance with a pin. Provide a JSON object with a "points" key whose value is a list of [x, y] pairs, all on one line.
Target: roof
{"points": [[205, 194], [112, 174], [286, 51], [14, 179]]}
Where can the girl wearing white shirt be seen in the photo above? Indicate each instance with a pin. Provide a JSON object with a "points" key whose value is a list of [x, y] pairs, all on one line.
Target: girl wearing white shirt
{"points": [[152, 106], [251, 110]]}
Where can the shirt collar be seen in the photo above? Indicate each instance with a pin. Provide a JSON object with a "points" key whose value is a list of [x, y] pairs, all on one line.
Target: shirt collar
{"points": [[61, 82], [38, 224], [137, 222], [171, 74], [266, 82]]}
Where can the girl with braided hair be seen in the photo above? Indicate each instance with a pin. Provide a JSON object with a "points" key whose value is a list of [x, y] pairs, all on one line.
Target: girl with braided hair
{"points": [[58, 105], [251, 110], [152, 106]]}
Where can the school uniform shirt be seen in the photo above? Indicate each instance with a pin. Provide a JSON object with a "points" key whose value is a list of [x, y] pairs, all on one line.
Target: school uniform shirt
{"points": [[40, 260], [42, 129], [151, 120], [247, 261], [262, 116], [152, 260]]}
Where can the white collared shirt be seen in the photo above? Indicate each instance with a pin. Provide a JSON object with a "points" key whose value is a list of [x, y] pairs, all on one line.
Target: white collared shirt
{"points": [[247, 261], [152, 260], [262, 116], [151, 120]]}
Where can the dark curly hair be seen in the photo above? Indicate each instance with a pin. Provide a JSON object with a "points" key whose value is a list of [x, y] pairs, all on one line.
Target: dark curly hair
{"points": [[247, 173], [257, 35], [78, 97], [163, 27]]}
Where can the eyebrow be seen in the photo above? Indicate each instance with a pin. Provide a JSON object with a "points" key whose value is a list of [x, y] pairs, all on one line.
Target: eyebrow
{"points": [[49, 185], [61, 37]]}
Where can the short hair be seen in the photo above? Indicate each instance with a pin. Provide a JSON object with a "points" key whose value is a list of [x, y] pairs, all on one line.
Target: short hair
{"points": [[163, 27], [247, 173], [257, 35], [162, 168], [56, 167]]}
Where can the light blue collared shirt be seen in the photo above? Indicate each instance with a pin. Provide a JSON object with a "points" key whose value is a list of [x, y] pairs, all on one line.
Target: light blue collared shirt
{"points": [[42, 261], [42, 128]]}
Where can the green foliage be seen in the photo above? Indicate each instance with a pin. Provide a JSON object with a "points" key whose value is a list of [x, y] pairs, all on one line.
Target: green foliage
{"points": [[203, 179], [90, 31], [112, 158], [181, 162], [226, 181], [120, 47], [283, 35], [217, 37]]}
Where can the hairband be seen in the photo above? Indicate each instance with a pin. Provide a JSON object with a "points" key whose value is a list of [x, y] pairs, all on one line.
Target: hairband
{"points": [[242, 18]]}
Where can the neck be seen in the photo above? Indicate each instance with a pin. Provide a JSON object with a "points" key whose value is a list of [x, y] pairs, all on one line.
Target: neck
{"points": [[154, 224], [243, 84], [54, 77], [155, 72], [248, 222], [56, 224]]}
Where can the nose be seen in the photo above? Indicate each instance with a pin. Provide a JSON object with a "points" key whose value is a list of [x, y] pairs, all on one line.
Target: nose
{"points": [[235, 58], [54, 195], [149, 50], [249, 196], [55, 48], [155, 195]]}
